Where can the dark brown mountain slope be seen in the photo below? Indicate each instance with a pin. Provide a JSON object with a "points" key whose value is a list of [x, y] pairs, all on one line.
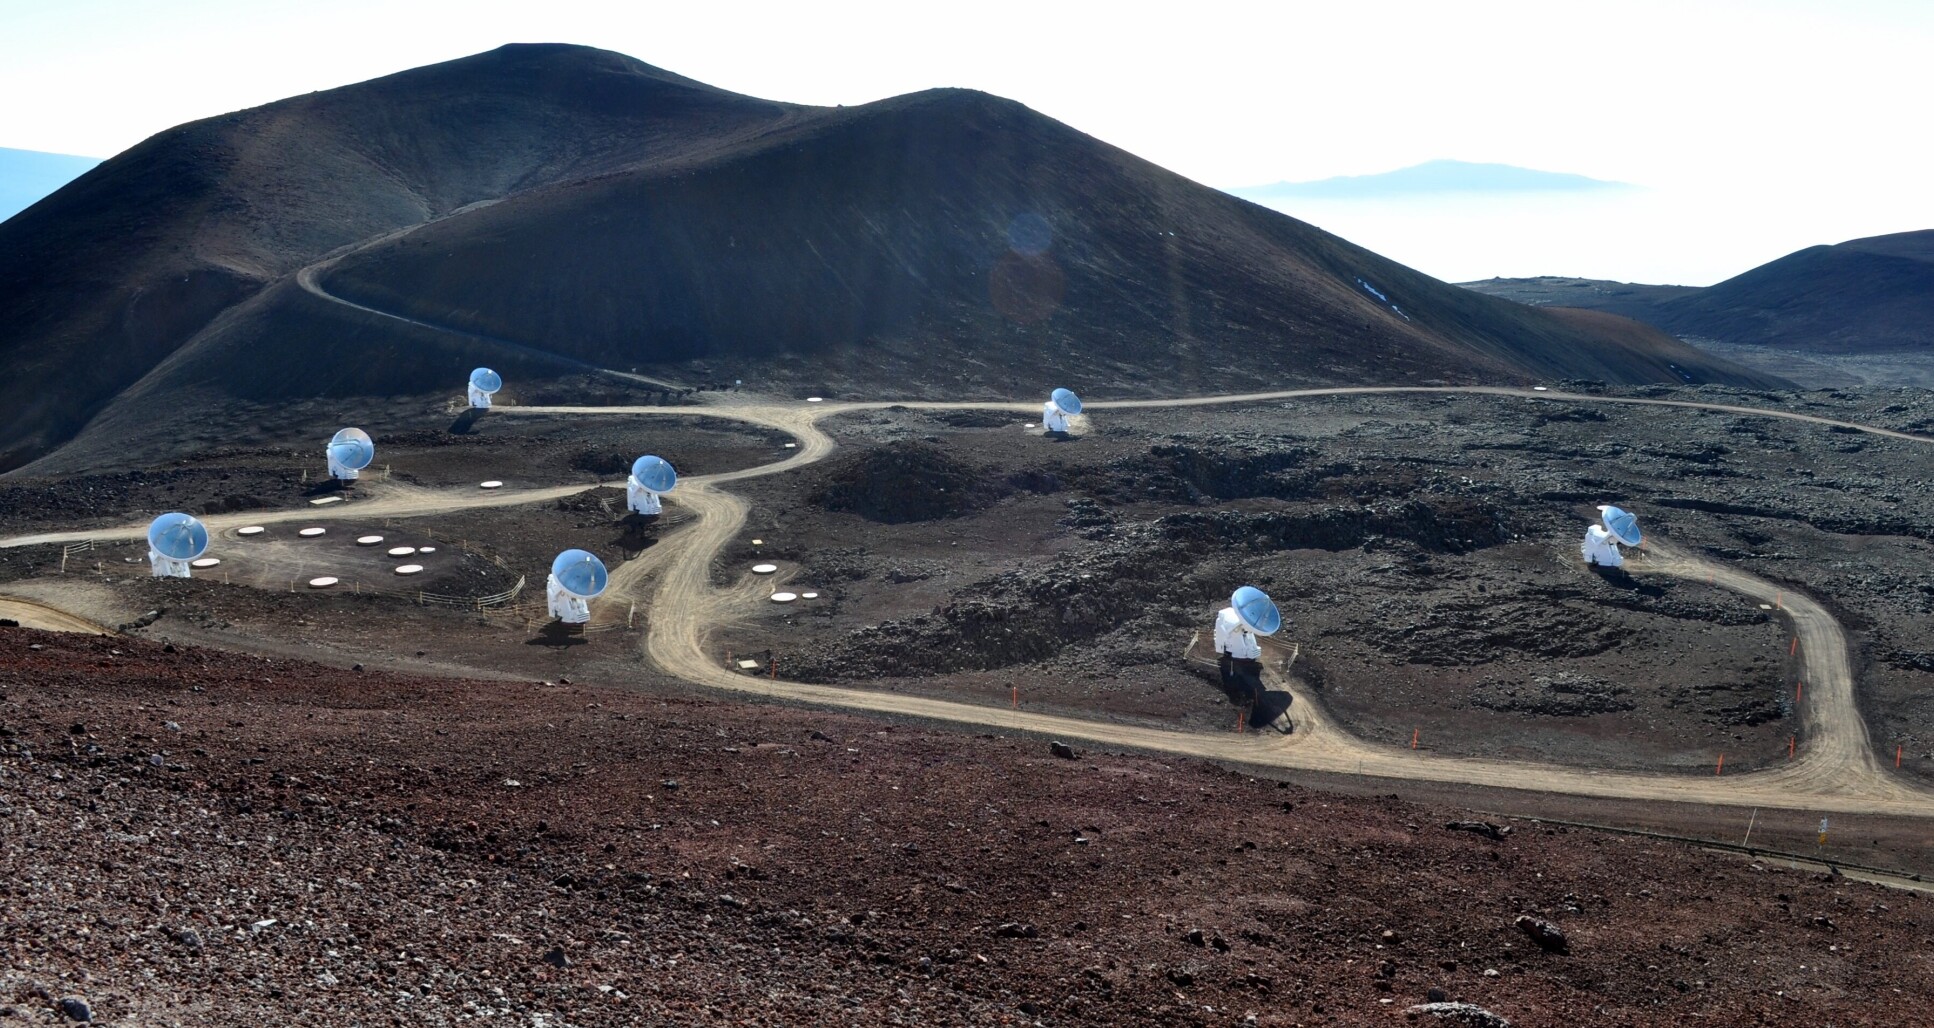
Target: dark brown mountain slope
{"points": [[104, 279], [858, 247], [1864, 296], [943, 243]]}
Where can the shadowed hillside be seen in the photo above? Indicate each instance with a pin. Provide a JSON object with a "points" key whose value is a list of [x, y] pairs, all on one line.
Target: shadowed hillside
{"points": [[1865, 296], [853, 249], [577, 207], [103, 280]]}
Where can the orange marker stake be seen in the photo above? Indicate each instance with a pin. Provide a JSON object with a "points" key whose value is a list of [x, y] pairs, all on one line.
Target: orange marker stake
{"points": [[1721, 769], [1017, 696], [1795, 648], [1413, 737], [1799, 689], [1241, 715], [1791, 742], [1897, 750], [1779, 599]]}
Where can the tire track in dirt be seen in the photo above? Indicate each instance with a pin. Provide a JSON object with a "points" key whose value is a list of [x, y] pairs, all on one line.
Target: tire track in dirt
{"points": [[31, 614]]}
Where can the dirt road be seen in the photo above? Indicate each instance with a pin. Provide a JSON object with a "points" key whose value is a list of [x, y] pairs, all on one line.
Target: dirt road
{"points": [[30, 614], [1836, 770]]}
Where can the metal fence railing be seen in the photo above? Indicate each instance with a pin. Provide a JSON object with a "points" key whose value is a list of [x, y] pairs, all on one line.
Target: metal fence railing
{"points": [[71, 549]]}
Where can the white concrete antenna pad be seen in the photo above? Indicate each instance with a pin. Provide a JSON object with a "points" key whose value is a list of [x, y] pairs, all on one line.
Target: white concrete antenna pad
{"points": [[369, 540], [401, 551], [409, 569], [323, 582], [764, 569], [251, 530], [311, 533], [492, 484], [784, 597], [205, 562]]}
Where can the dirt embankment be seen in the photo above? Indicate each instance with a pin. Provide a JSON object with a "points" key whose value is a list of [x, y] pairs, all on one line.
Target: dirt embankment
{"points": [[202, 836]]}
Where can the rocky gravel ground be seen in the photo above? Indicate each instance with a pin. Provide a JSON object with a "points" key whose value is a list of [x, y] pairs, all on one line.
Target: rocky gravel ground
{"points": [[1423, 547], [195, 837]]}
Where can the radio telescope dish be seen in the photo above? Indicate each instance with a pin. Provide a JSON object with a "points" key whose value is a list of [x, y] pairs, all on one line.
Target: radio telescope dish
{"points": [[178, 536], [654, 473], [580, 573], [349, 452], [1066, 400], [1256, 610], [1623, 525], [483, 383]]}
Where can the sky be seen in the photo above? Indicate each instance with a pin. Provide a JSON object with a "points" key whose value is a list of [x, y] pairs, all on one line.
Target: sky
{"points": [[1753, 127]]}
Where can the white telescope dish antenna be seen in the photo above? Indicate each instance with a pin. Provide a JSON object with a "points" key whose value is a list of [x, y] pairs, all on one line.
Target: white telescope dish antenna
{"points": [[1623, 525], [580, 573], [178, 536], [486, 381], [352, 449], [1256, 610], [654, 473], [1066, 400]]}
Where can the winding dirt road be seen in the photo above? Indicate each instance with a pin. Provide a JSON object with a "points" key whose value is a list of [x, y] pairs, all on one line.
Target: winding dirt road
{"points": [[1836, 771]]}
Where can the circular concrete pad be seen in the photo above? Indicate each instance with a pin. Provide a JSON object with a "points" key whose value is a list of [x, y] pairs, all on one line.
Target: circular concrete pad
{"points": [[205, 562], [809, 596], [401, 551], [323, 582], [311, 533], [426, 549], [784, 597], [251, 530], [409, 569], [368, 540], [492, 484], [764, 569]]}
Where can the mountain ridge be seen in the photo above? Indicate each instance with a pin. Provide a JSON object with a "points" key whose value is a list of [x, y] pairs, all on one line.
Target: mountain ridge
{"points": [[512, 194]]}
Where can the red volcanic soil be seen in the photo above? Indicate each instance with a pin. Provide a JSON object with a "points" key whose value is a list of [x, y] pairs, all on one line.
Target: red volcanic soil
{"points": [[208, 837]]}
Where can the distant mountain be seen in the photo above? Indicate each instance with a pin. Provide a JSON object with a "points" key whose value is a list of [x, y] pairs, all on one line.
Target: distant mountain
{"points": [[544, 208], [106, 279], [26, 176], [1871, 296], [1429, 178]]}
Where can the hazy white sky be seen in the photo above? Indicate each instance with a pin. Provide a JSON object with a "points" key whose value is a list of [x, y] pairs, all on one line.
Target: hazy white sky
{"points": [[1757, 126]]}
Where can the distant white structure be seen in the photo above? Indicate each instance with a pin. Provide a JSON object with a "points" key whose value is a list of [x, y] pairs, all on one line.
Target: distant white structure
{"points": [[484, 383], [576, 576], [1234, 638], [640, 500], [1601, 545], [1061, 405], [1250, 613], [570, 609], [650, 476], [174, 540]]}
